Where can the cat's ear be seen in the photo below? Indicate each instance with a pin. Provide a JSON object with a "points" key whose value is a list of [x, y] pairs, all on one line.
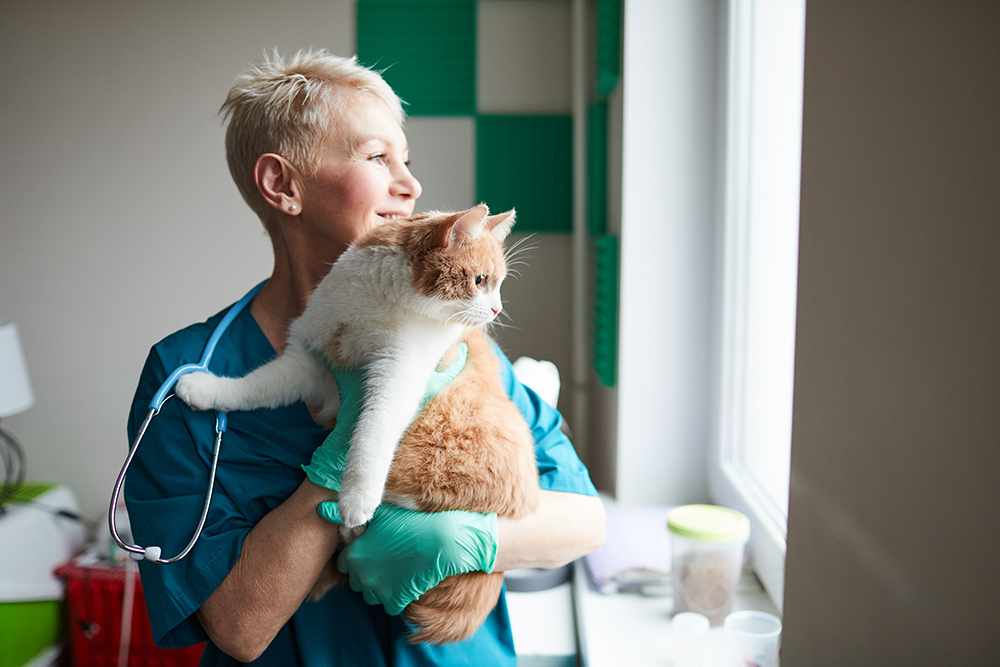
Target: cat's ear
{"points": [[465, 226], [501, 224]]}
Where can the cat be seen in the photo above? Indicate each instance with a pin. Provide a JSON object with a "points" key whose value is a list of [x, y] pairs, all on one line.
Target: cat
{"points": [[397, 302]]}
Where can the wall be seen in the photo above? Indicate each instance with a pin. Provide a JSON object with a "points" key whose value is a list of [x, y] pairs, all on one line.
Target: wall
{"points": [[667, 196], [892, 538], [120, 222]]}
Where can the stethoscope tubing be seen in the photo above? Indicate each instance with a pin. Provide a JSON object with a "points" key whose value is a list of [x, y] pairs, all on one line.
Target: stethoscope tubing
{"points": [[154, 553]]}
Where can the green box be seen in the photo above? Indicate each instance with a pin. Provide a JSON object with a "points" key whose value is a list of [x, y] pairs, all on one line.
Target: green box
{"points": [[28, 628]]}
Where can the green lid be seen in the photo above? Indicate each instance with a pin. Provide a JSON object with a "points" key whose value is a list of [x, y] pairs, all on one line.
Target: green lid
{"points": [[708, 523]]}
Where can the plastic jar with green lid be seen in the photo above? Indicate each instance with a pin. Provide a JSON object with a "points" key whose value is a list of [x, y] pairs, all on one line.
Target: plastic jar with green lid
{"points": [[707, 543]]}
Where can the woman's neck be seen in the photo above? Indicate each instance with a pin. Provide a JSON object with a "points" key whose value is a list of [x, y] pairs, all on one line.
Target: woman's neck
{"points": [[297, 271]]}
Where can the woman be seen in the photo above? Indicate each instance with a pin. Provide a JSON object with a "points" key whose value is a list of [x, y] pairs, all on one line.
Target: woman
{"points": [[317, 149]]}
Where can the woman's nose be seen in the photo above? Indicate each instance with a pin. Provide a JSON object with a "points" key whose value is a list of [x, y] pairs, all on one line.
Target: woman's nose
{"points": [[406, 185]]}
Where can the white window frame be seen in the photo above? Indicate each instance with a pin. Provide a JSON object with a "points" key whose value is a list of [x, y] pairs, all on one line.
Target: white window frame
{"points": [[730, 483]]}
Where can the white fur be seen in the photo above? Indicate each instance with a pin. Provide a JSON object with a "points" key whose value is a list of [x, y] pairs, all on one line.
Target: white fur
{"points": [[399, 335]]}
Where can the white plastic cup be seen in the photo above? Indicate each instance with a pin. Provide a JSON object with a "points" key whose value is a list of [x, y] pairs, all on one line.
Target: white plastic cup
{"points": [[707, 544], [690, 634], [752, 639]]}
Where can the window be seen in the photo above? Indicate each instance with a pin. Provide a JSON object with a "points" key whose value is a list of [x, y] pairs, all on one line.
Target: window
{"points": [[759, 207]]}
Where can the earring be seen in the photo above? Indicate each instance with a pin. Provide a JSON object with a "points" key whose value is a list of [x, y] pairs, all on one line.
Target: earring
{"points": [[293, 208]]}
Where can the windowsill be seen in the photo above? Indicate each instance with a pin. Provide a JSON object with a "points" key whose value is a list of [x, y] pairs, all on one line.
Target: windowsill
{"points": [[612, 629], [632, 629], [542, 623]]}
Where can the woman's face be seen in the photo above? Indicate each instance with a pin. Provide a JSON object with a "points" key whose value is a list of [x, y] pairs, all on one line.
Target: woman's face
{"points": [[362, 179]]}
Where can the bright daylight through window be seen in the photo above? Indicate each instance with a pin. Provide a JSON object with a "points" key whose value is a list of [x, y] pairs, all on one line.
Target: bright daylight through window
{"points": [[749, 465]]}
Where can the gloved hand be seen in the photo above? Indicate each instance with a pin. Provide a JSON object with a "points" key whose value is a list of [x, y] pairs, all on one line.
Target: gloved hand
{"points": [[328, 461], [404, 553]]}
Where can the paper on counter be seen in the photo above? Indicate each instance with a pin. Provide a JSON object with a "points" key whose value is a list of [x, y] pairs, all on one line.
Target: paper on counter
{"points": [[636, 553]]}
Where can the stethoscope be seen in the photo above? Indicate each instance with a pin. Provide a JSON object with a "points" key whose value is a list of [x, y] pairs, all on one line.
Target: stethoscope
{"points": [[154, 553]]}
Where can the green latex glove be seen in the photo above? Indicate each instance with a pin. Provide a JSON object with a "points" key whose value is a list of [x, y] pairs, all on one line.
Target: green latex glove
{"points": [[327, 465], [404, 553]]}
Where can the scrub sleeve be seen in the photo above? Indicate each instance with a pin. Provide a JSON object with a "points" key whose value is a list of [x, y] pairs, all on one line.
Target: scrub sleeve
{"points": [[259, 467]]}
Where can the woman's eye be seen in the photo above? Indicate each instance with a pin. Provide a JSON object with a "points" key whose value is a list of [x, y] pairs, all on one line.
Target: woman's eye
{"points": [[480, 279], [380, 158]]}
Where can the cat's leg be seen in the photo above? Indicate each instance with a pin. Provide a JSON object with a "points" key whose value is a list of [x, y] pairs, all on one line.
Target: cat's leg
{"points": [[297, 374], [392, 398]]}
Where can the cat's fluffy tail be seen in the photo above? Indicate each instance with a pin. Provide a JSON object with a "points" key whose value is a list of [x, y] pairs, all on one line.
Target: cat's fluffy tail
{"points": [[455, 608]]}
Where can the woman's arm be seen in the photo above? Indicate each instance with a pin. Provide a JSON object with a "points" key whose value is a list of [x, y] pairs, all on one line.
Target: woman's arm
{"points": [[282, 558], [565, 527], [405, 552]]}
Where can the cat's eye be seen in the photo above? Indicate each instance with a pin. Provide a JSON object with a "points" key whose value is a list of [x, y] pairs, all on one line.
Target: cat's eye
{"points": [[480, 279]]}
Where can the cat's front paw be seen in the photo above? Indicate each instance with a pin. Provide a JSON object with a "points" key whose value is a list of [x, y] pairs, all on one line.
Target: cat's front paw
{"points": [[199, 390], [356, 509]]}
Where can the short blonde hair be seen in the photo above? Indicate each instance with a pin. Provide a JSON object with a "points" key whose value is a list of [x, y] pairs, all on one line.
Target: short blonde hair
{"points": [[291, 107]]}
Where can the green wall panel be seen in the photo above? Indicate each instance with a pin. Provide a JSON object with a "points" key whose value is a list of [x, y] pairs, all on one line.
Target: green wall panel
{"points": [[608, 44], [597, 168], [606, 309], [526, 162], [427, 49]]}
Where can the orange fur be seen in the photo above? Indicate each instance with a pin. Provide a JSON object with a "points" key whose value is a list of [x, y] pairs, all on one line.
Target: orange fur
{"points": [[333, 346], [472, 450], [440, 268]]}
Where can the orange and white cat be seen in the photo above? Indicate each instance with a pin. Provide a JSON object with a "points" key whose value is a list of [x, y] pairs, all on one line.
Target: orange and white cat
{"points": [[396, 303]]}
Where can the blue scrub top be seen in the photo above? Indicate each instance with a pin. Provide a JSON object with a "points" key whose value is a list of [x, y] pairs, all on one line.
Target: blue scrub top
{"points": [[259, 467]]}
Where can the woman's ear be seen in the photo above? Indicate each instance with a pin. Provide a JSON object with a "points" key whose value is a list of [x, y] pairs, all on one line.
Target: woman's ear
{"points": [[278, 183]]}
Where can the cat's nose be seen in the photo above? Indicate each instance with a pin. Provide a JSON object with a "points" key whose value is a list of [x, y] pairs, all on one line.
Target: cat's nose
{"points": [[496, 311]]}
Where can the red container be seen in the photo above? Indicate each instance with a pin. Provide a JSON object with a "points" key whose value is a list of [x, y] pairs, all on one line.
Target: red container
{"points": [[96, 596]]}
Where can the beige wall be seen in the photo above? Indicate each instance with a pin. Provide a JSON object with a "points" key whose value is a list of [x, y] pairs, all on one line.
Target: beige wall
{"points": [[119, 221], [892, 544]]}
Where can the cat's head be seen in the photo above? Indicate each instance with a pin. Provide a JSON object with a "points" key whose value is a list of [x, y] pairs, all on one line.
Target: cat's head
{"points": [[458, 263]]}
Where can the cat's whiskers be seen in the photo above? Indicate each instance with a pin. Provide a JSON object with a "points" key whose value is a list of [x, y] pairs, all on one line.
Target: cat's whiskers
{"points": [[463, 318], [516, 255], [519, 245], [498, 323]]}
